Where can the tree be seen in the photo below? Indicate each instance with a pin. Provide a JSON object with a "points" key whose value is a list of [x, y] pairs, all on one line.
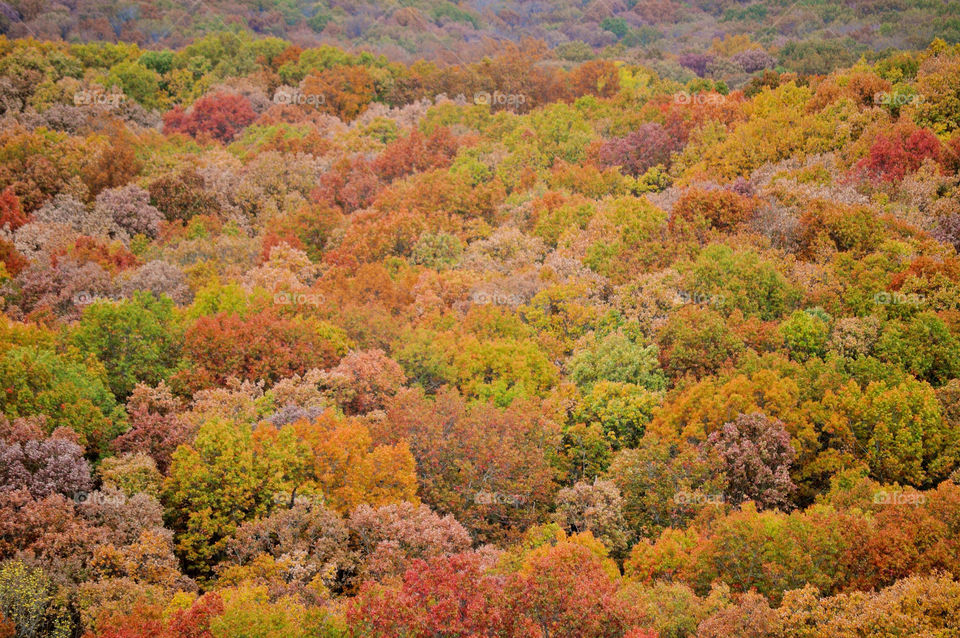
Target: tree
{"points": [[437, 251], [616, 26], [584, 453], [137, 340], [922, 346], [696, 62], [39, 382], [898, 430], [13, 262], [914, 605], [489, 467], [750, 617], [137, 81], [249, 609], [363, 381], [181, 196], [935, 82], [263, 346], [114, 165], [215, 484], [753, 60], [27, 598], [805, 335], [650, 145], [131, 474], [450, 595], [308, 544], [767, 550], [619, 358], [63, 288], [349, 185], [160, 278], [842, 228], [389, 537], [756, 458], [44, 466], [192, 621], [697, 341], [664, 485], [347, 466], [51, 533], [567, 590], [156, 428], [416, 153], [220, 116], [503, 369], [39, 165], [596, 508], [903, 151], [622, 410], [195, 620], [129, 208], [739, 279], [562, 315], [344, 91], [594, 77], [10, 212]]}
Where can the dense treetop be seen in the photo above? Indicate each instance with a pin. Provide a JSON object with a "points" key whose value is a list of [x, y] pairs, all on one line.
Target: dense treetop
{"points": [[804, 36], [298, 341]]}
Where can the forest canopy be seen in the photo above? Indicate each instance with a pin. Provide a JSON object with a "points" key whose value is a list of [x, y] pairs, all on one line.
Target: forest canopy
{"points": [[312, 341]]}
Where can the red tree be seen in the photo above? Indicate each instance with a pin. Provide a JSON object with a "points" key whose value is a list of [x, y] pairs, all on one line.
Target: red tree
{"points": [[416, 152], [220, 116], [901, 152], [13, 261], [648, 146], [722, 209], [567, 592], [260, 346], [448, 596], [10, 211]]}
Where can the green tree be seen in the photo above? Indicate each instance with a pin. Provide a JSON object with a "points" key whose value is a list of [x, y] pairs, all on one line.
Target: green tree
{"points": [[805, 335], [137, 340], [38, 381], [616, 26], [214, 485], [138, 82], [923, 346], [899, 430], [618, 357], [622, 410], [740, 279]]}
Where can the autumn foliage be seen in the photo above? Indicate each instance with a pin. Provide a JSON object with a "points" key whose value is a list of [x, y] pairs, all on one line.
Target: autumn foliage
{"points": [[220, 116], [595, 339]]}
